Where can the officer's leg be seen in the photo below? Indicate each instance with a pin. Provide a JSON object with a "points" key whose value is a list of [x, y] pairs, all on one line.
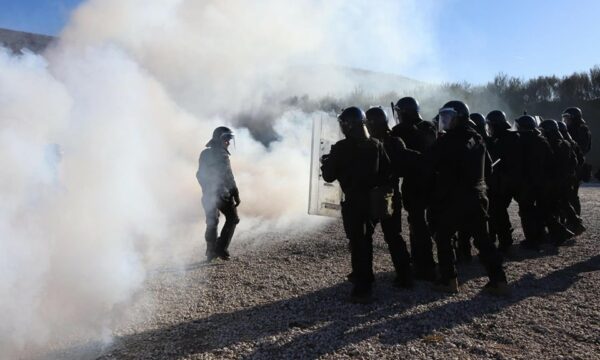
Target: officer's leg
{"points": [[463, 246], [358, 227], [392, 234], [489, 255], [528, 212], [421, 244], [445, 253], [212, 222], [549, 209], [231, 220], [573, 221], [574, 197], [499, 218]]}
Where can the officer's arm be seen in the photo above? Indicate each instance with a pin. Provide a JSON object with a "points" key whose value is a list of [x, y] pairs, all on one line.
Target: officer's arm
{"points": [[409, 163], [385, 167], [330, 164], [584, 139], [228, 178], [202, 174], [488, 163]]}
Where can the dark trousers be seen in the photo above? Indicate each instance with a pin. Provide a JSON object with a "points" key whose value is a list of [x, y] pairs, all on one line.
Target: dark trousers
{"points": [[500, 226], [392, 234], [421, 243], [469, 214], [212, 209], [531, 214], [359, 230], [550, 209], [567, 211], [574, 197]]}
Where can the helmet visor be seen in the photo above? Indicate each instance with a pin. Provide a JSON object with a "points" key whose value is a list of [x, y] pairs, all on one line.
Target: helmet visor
{"points": [[446, 116], [227, 137]]}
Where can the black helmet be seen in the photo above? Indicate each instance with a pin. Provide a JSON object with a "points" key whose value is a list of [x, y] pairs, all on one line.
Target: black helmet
{"points": [[453, 110], [550, 128], [549, 125], [377, 121], [408, 105], [526, 122], [574, 112], [562, 127], [222, 133], [352, 122], [462, 110], [497, 119], [479, 122], [408, 110]]}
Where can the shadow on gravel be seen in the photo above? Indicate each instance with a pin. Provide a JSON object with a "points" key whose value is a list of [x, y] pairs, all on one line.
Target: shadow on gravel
{"points": [[316, 328]]}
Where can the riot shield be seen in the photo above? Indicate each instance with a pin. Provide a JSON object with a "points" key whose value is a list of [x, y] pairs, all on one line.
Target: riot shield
{"points": [[324, 198]]}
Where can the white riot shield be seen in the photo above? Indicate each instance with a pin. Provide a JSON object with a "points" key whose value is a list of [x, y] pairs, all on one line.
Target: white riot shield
{"points": [[324, 198]]}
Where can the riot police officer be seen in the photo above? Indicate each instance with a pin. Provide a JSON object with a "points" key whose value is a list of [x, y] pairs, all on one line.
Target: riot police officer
{"points": [[402, 160], [563, 162], [360, 164], [579, 131], [536, 157], [573, 221], [219, 193], [458, 159], [504, 182], [418, 135], [463, 237]]}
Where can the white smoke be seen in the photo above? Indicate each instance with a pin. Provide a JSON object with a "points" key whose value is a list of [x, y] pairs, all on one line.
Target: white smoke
{"points": [[131, 92]]}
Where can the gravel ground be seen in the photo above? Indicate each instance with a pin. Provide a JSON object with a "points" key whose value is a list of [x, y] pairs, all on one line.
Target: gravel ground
{"points": [[287, 298]]}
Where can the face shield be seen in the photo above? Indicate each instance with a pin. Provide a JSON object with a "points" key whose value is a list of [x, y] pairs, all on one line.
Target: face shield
{"points": [[489, 129], [446, 115], [397, 114], [227, 139]]}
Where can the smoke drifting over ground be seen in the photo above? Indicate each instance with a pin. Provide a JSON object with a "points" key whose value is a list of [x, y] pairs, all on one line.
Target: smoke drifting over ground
{"points": [[131, 92]]}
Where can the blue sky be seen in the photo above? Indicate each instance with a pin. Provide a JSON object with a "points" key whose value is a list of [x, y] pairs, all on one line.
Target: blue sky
{"points": [[474, 39]]}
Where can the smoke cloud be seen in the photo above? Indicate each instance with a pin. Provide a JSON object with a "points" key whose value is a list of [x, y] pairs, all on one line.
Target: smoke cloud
{"points": [[131, 93]]}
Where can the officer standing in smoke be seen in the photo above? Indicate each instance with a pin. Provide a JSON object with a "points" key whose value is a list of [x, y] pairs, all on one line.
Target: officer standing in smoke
{"points": [[418, 135], [360, 164], [504, 182], [219, 193], [401, 160], [580, 132], [457, 160]]}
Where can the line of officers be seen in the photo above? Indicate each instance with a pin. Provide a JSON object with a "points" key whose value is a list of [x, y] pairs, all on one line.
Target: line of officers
{"points": [[460, 173]]}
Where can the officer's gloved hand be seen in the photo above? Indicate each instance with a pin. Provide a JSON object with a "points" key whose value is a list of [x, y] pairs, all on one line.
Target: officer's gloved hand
{"points": [[236, 200]]}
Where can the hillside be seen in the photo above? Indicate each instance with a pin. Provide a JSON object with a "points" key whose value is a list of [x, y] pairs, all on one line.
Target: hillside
{"points": [[18, 40]]}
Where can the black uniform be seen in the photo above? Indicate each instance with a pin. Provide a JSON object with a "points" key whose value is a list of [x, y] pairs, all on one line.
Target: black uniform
{"points": [[563, 162], [218, 193], [458, 160], [402, 162], [359, 165], [463, 237], [536, 160], [581, 134], [504, 182], [418, 135]]}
